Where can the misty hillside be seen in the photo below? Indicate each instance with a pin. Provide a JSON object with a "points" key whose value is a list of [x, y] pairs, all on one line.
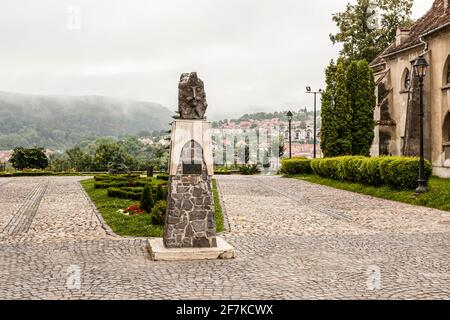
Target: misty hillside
{"points": [[59, 122]]}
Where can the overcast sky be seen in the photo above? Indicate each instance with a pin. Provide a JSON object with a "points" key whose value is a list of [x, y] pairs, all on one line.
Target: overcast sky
{"points": [[254, 55]]}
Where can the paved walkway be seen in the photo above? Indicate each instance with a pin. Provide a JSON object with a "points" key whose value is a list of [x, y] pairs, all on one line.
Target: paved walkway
{"points": [[294, 240]]}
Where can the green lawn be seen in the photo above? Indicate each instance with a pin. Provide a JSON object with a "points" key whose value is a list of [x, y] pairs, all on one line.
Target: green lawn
{"points": [[135, 226], [438, 197], [217, 208]]}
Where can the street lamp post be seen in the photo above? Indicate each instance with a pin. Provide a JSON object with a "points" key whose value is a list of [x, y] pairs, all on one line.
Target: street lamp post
{"points": [[289, 116], [420, 69], [308, 90]]}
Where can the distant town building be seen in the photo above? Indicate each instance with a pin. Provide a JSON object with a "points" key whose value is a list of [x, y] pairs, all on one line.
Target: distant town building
{"points": [[147, 141], [303, 150], [5, 155]]}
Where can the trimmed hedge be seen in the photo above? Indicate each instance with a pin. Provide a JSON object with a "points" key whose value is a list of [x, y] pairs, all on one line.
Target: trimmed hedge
{"points": [[135, 193], [399, 173], [158, 213], [115, 177], [163, 176], [222, 171], [142, 182], [296, 166], [37, 174], [124, 194]]}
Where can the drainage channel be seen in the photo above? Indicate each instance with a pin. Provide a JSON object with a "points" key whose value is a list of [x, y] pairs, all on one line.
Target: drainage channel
{"points": [[21, 221]]}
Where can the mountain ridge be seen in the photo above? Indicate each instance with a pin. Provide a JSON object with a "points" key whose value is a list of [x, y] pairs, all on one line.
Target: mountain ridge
{"points": [[61, 121]]}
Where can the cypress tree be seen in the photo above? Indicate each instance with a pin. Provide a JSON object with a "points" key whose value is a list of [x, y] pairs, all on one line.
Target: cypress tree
{"points": [[347, 109], [147, 200], [336, 135], [343, 111], [159, 194], [328, 134], [361, 86]]}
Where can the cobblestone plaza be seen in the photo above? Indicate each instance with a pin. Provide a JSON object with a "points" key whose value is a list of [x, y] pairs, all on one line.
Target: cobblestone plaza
{"points": [[293, 240]]}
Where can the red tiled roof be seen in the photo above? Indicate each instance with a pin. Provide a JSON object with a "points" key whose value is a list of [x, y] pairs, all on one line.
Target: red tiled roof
{"points": [[435, 18]]}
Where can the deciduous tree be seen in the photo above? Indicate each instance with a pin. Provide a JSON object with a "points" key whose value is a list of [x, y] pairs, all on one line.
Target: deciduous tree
{"points": [[32, 158], [369, 26]]}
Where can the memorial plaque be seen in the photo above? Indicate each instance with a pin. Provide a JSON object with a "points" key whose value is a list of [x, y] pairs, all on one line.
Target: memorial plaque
{"points": [[192, 168]]}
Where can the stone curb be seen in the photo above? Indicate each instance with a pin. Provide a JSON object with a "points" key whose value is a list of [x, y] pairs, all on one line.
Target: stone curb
{"points": [[99, 216]]}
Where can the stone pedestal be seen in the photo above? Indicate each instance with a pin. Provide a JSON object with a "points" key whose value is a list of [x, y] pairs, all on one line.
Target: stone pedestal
{"points": [[190, 205], [190, 227], [158, 252]]}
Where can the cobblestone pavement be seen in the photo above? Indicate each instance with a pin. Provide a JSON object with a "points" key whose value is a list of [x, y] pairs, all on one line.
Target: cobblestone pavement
{"points": [[294, 240]]}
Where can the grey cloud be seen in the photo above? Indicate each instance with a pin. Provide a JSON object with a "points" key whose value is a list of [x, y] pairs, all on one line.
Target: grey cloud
{"points": [[253, 55]]}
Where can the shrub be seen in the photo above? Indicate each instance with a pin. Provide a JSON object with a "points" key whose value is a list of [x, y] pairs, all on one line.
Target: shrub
{"points": [[249, 169], [158, 213], [315, 166], [401, 173], [395, 172], [122, 193], [115, 177], [160, 194], [221, 171], [370, 173], [32, 174], [147, 200], [163, 176], [296, 166], [329, 168], [353, 169], [118, 183]]}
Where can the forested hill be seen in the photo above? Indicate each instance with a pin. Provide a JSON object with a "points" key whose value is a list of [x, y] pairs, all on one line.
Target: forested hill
{"points": [[59, 122]]}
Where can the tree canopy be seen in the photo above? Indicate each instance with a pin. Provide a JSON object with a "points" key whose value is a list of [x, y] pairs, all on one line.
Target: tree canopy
{"points": [[369, 26], [32, 158]]}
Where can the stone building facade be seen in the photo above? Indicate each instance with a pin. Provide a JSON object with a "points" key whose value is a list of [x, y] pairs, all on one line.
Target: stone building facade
{"points": [[396, 115]]}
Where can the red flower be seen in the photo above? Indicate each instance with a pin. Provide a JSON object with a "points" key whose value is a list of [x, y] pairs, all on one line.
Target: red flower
{"points": [[134, 209]]}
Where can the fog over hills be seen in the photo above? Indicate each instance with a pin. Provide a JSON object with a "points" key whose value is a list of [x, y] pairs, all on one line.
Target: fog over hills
{"points": [[59, 122]]}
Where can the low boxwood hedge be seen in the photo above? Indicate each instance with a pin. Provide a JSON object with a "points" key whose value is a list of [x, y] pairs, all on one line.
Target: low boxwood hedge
{"points": [[134, 193], [115, 177], [296, 166], [163, 176], [37, 174], [118, 183], [399, 173], [124, 194]]}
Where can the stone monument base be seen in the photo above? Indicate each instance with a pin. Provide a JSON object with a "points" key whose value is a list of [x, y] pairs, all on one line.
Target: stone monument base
{"points": [[158, 252]]}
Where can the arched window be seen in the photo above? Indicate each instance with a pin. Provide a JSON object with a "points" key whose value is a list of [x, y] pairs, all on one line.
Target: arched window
{"points": [[447, 71], [446, 129], [446, 136], [406, 83]]}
